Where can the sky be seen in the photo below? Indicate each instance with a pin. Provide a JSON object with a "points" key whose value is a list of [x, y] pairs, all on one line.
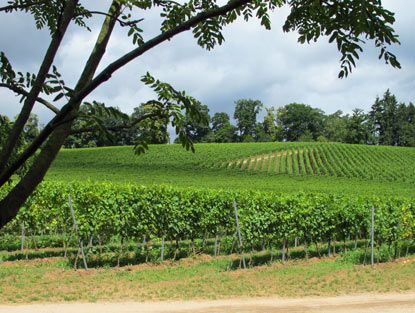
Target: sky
{"points": [[252, 63]]}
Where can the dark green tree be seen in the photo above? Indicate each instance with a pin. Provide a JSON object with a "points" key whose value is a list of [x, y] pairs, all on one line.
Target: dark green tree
{"points": [[335, 126], [348, 23], [198, 130], [155, 128], [384, 120], [358, 128], [31, 129], [272, 131], [222, 129], [245, 114], [298, 119]]}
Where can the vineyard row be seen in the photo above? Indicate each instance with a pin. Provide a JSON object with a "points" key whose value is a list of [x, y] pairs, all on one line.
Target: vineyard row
{"points": [[177, 214], [330, 159]]}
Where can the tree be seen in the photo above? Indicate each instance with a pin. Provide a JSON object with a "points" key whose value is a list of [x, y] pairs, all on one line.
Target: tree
{"points": [[110, 118], [297, 120], [222, 129], [407, 137], [345, 22], [156, 128], [335, 126], [391, 123], [358, 128], [31, 128], [272, 130], [198, 130], [245, 116], [385, 126]]}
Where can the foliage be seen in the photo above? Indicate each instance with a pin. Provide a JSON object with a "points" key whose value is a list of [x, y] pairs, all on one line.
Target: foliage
{"points": [[298, 120], [245, 116], [162, 211], [392, 123]]}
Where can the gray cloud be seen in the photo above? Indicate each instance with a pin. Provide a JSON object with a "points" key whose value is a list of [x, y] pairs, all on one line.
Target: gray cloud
{"points": [[252, 63]]}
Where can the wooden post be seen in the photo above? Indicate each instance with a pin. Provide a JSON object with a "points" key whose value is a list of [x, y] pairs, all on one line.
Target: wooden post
{"points": [[239, 233], [372, 236], [81, 246]]}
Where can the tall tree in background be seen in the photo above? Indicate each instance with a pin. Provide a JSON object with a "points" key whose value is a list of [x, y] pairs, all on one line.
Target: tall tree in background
{"points": [[154, 128], [222, 129], [384, 119], [299, 120], [358, 128], [198, 131], [407, 135], [392, 123], [348, 23], [335, 127], [245, 114]]}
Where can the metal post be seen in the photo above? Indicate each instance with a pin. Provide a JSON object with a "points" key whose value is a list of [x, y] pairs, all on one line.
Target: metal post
{"points": [[81, 246], [216, 245], [239, 233], [372, 235], [144, 242], [162, 249], [23, 235]]}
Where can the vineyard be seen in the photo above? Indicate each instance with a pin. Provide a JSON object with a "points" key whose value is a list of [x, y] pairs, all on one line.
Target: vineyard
{"points": [[267, 220], [303, 196], [278, 167], [340, 160]]}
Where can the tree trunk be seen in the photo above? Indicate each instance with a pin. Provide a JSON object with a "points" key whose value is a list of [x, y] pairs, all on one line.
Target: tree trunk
{"points": [[10, 205]]}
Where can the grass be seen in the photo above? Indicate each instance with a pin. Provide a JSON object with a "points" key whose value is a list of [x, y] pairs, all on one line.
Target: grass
{"points": [[371, 170], [201, 277]]}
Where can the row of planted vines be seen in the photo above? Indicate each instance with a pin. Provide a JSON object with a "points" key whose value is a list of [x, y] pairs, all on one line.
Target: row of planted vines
{"points": [[266, 219], [340, 160]]}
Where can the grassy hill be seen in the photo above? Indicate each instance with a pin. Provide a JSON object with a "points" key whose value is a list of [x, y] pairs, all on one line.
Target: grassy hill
{"points": [[281, 167]]}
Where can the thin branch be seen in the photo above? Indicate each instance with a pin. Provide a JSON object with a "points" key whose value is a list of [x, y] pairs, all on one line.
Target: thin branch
{"points": [[12, 7], [164, 3], [121, 127], [23, 92], [122, 23]]}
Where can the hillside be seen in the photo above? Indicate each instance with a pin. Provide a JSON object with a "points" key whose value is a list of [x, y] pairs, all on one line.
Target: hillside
{"points": [[285, 167]]}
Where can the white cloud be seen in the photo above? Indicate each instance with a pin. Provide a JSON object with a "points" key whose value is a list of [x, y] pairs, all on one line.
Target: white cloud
{"points": [[252, 63]]}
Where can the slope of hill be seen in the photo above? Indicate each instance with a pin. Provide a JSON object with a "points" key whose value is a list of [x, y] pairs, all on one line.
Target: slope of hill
{"points": [[285, 167]]}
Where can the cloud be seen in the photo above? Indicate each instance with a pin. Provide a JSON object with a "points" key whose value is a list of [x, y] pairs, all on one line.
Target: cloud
{"points": [[252, 63]]}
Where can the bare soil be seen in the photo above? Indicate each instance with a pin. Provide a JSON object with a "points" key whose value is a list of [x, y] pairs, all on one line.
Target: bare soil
{"points": [[358, 303]]}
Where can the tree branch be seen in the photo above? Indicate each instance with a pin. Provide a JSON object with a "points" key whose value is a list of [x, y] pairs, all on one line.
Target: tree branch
{"points": [[54, 134], [122, 23], [18, 126], [12, 7], [23, 92]]}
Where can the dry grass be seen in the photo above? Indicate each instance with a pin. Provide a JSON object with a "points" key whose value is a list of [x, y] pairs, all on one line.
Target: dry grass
{"points": [[202, 277]]}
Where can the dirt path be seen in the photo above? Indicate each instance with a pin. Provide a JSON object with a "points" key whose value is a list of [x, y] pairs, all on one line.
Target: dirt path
{"points": [[402, 303]]}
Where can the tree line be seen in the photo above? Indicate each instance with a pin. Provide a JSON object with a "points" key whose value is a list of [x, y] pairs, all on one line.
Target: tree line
{"points": [[387, 123]]}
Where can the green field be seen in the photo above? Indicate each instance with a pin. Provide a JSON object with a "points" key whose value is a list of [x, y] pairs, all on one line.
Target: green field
{"points": [[279, 167]]}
